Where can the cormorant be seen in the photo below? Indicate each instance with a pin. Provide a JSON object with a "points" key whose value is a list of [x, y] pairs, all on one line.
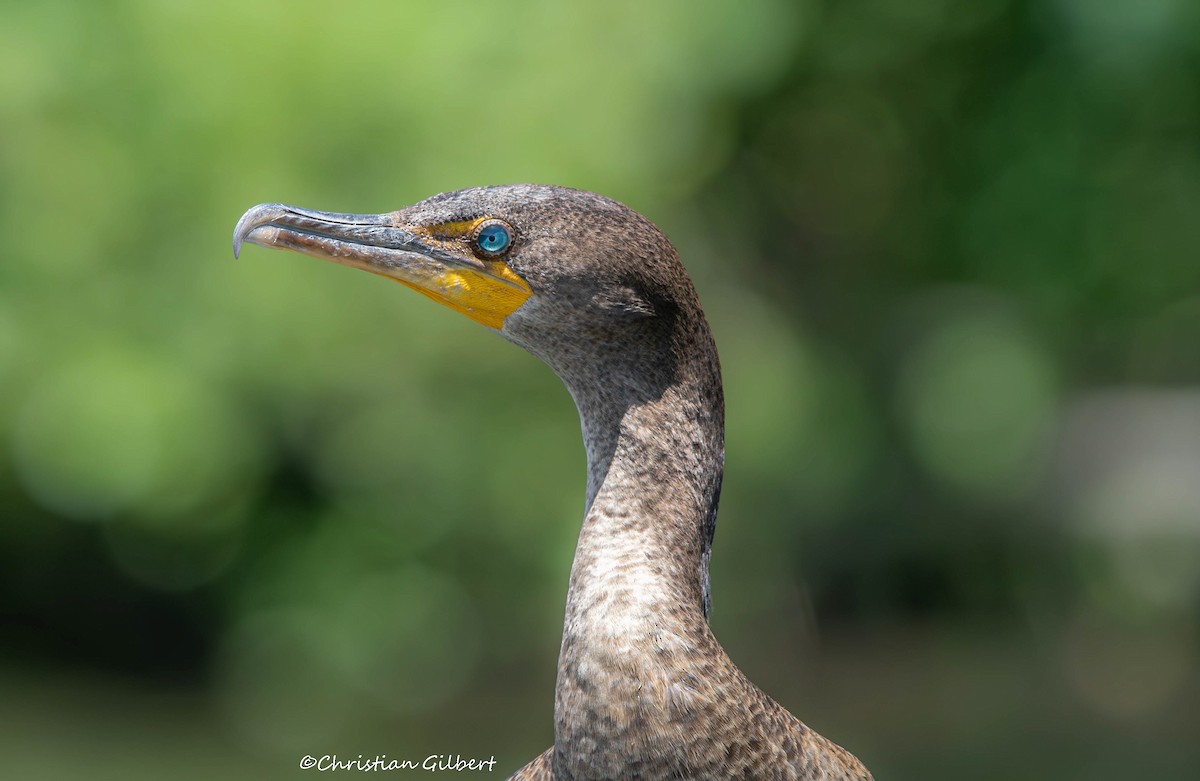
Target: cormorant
{"points": [[596, 291]]}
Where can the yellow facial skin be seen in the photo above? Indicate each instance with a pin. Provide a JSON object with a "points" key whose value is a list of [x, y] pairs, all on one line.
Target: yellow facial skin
{"points": [[487, 297], [438, 261]]}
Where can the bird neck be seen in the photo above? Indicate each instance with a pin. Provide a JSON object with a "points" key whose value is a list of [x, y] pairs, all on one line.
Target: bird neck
{"points": [[655, 460], [638, 598]]}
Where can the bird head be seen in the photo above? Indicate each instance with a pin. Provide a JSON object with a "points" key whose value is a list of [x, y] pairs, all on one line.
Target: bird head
{"points": [[555, 270]]}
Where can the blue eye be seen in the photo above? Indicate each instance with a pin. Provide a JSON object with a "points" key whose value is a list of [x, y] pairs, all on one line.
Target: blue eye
{"points": [[493, 238]]}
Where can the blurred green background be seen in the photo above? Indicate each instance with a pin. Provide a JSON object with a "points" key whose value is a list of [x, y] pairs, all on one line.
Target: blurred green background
{"points": [[256, 510]]}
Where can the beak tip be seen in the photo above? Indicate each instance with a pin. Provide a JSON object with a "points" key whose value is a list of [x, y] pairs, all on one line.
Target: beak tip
{"points": [[255, 217]]}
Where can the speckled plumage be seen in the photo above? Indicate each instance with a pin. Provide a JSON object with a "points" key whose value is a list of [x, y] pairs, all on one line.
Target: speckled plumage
{"points": [[644, 689]]}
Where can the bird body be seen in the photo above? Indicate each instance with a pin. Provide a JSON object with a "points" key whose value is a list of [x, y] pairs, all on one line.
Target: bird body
{"points": [[644, 689]]}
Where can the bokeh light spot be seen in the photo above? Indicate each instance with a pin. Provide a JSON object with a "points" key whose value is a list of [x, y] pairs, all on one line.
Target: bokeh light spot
{"points": [[113, 432], [978, 397]]}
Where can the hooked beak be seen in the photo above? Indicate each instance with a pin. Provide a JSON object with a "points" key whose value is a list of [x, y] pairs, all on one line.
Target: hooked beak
{"points": [[486, 290]]}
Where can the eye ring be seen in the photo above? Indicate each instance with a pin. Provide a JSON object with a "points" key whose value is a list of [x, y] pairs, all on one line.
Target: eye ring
{"points": [[492, 238]]}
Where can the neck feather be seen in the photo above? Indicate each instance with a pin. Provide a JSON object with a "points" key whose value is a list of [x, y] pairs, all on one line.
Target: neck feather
{"points": [[639, 583], [654, 433], [654, 477]]}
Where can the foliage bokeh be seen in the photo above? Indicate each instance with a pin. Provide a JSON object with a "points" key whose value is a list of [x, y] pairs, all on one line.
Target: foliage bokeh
{"points": [[256, 510]]}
